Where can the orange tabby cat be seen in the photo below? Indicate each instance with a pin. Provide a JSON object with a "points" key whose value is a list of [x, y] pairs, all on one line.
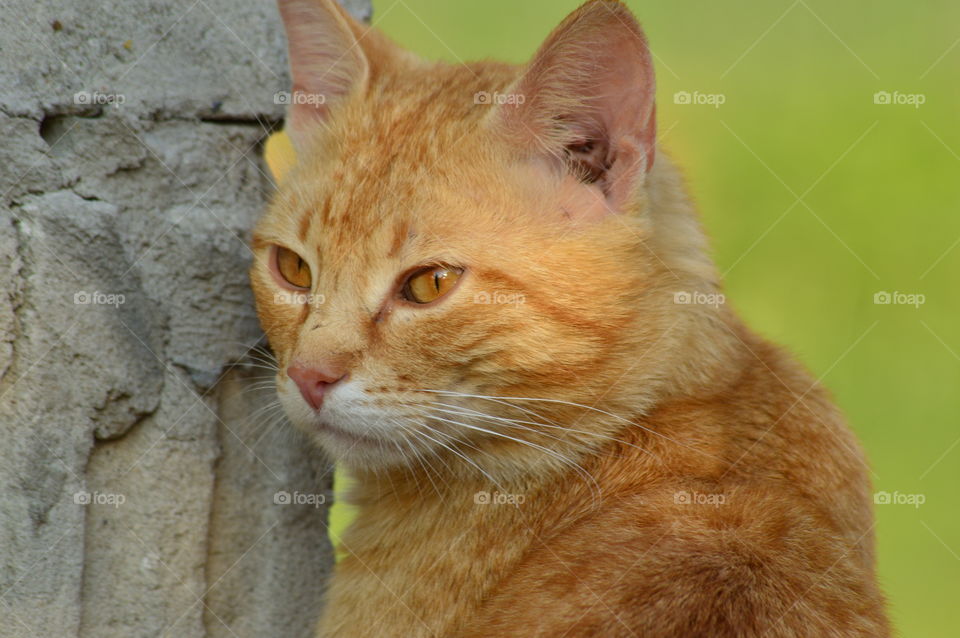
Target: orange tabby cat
{"points": [[489, 298]]}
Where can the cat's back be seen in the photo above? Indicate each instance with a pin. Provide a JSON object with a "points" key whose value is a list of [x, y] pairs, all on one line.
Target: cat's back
{"points": [[746, 514]]}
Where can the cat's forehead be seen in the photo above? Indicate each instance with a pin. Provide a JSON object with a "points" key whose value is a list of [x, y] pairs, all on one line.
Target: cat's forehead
{"points": [[410, 127], [386, 161]]}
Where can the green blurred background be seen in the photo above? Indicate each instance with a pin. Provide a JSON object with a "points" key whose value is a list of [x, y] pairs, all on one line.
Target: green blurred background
{"points": [[816, 198]]}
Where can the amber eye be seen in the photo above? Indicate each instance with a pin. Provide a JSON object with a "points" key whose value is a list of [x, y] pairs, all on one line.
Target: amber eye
{"points": [[293, 268], [427, 284]]}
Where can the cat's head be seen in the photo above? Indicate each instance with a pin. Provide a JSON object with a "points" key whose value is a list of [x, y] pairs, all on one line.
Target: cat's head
{"points": [[465, 252]]}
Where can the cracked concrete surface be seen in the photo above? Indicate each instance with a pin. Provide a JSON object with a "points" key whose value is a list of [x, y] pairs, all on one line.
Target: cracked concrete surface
{"points": [[139, 464]]}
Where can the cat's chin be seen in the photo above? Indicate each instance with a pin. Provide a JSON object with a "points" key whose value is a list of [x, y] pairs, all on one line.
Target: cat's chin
{"points": [[363, 456], [355, 450]]}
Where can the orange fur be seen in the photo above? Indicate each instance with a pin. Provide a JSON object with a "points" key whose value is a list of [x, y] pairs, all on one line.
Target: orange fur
{"points": [[619, 405]]}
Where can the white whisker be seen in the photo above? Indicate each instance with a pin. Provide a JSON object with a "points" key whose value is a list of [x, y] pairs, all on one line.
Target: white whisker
{"points": [[543, 449], [424, 464], [470, 412], [570, 403]]}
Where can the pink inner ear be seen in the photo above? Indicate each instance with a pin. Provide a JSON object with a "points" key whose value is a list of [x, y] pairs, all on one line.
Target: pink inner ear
{"points": [[589, 99], [326, 62], [581, 202]]}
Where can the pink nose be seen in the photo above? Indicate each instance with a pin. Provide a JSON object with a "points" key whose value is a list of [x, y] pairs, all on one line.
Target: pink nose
{"points": [[314, 381]]}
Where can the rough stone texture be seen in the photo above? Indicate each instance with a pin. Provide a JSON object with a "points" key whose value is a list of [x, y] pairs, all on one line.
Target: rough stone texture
{"points": [[141, 457]]}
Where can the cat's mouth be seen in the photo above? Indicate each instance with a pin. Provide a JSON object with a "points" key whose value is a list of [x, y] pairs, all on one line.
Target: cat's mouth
{"points": [[348, 426]]}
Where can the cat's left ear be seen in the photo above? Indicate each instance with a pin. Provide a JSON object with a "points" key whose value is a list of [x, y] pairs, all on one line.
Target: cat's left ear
{"points": [[585, 102]]}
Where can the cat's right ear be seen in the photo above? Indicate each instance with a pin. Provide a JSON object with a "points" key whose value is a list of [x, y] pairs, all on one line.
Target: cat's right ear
{"points": [[327, 63], [585, 102]]}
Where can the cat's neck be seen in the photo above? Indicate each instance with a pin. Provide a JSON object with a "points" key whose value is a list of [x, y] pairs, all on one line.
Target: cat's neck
{"points": [[689, 339]]}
